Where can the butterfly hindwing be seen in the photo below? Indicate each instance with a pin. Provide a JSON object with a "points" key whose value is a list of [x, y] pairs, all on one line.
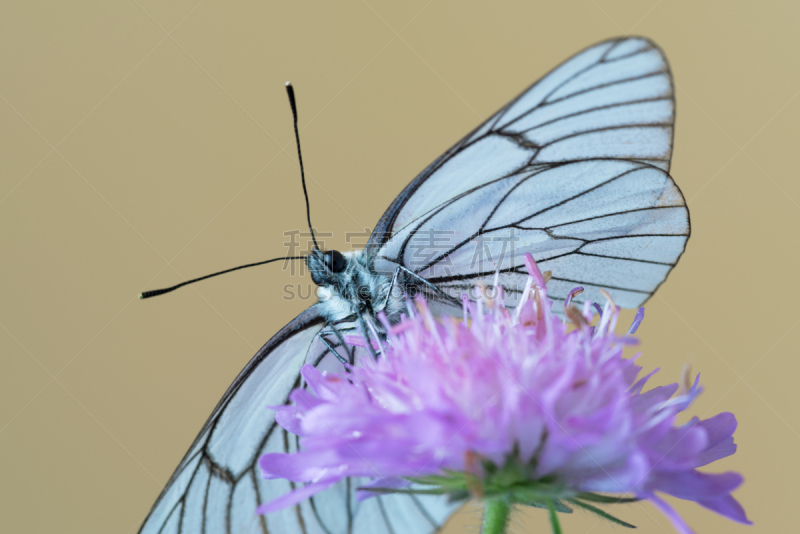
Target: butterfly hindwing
{"points": [[218, 485], [223, 458]]}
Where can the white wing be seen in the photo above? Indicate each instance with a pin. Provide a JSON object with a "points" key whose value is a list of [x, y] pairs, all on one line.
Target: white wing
{"points": [[574, 171], [218, 486]]}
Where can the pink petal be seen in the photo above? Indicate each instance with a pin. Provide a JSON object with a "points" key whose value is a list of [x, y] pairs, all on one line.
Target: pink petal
{"points": [[637, 387], [533, 270], [720, 430], [728, 507], [636, 321], [676, 520], [694, 486], [295, 497]]}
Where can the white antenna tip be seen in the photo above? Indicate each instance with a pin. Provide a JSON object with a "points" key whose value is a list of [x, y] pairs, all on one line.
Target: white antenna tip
{"points": [[288, 84]]}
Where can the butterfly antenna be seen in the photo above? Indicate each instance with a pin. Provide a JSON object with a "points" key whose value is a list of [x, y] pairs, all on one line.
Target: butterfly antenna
{"points": [[293, 103], [157, 292]]}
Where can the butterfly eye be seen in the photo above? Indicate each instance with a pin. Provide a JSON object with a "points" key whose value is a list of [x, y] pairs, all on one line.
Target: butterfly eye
{"points": [[334, 261]]}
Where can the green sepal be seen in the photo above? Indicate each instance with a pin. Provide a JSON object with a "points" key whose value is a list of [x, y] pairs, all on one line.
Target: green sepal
{"points": [[536, 492], [453, 480], [404, 491], [601, 513], [509, 474], [596, 497], [457, 496], [559, 505]]}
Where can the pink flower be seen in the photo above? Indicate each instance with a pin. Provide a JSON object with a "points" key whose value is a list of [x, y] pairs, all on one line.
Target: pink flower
{"points": [[504, 392]]}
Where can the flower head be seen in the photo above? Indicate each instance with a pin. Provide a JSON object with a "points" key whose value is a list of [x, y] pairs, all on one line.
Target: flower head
{"points": [[511, 403]]}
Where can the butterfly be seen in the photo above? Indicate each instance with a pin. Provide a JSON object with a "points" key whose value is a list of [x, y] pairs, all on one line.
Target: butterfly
{"points": [[574, 170]]}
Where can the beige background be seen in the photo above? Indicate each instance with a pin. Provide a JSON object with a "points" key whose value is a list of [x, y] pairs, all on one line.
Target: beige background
{"points": [[148, 142]]}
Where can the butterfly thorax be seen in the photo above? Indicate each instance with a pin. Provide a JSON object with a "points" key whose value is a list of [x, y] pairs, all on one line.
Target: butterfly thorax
{"points": [[348, 285]]}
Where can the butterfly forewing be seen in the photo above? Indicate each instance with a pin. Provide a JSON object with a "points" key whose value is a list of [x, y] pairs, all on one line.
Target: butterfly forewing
{"points": [[621, 84]]}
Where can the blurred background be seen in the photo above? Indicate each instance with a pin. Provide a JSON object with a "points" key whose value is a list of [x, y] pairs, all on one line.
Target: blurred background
{"points": [[143, 143]]}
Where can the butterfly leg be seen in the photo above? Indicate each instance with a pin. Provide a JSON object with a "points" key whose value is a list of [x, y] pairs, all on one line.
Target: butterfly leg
{"points": [[435, 289], [391, 287], [321, 335], [363, 324], [349, 351]]}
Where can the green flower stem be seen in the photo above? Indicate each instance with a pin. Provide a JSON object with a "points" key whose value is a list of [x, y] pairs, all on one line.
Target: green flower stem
{"points": [[551, 507], [495, 516]]}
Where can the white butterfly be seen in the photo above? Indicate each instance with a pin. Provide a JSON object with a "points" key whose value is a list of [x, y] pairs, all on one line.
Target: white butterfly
{"points": [[574, 171]]}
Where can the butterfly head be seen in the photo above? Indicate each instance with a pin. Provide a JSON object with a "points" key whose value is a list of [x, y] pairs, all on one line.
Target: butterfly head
{"points": [[327, 267]]}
